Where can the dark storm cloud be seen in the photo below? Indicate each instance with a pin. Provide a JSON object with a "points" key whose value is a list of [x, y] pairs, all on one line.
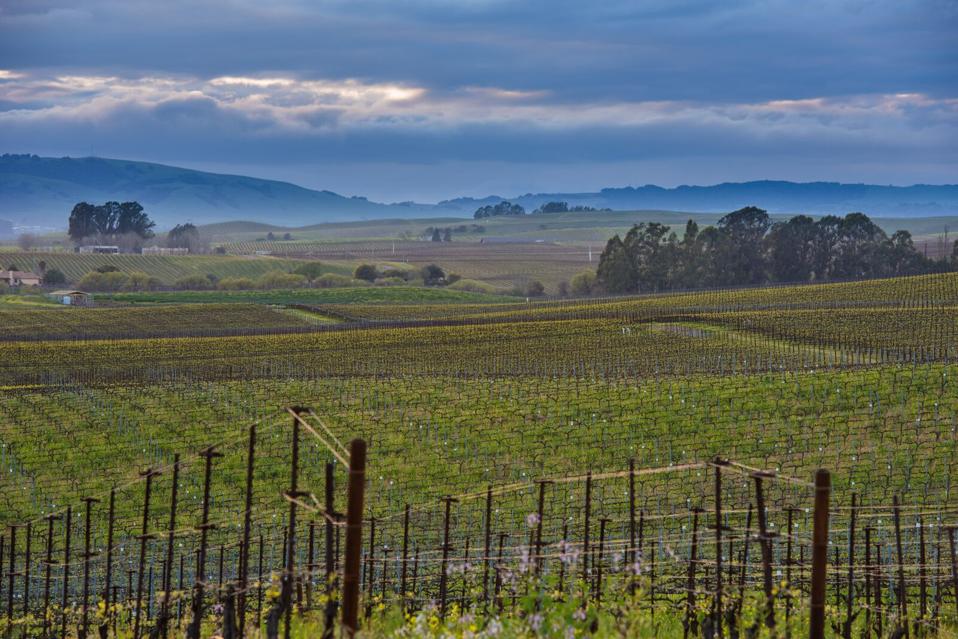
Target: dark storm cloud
{"points": [[548, 82]]}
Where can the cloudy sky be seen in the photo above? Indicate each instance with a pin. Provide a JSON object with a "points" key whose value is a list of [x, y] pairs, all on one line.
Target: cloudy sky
{"points": [[427, 99]]}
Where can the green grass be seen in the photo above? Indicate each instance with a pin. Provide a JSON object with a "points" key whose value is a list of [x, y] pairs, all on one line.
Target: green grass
{"points": [[346, 295], [167, 268]]}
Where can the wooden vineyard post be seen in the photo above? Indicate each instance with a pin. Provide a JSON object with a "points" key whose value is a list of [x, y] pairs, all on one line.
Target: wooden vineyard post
{"points": [[823, 488], [765, 544], [244, 547], [354, 535], [163, 623], [444, 576], [902, 592], [690, 584]]}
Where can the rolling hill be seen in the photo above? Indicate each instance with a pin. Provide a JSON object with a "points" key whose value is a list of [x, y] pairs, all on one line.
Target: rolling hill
{"points": [[40, 191]]}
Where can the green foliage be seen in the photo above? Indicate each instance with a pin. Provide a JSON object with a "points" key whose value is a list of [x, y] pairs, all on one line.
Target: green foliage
{"points": [[496, 210], [366, 272], [433, 275], [193, 283], [745, 248], [309, 270], [280, 280], [53, 277], [583, 283], [109, 220]]}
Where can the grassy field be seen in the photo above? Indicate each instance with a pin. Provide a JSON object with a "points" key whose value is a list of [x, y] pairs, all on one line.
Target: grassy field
{"points": [[856, 378], [168, 269]]}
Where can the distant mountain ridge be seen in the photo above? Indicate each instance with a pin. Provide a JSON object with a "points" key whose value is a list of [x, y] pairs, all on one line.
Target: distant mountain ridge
{"points": [[776, 196], [40, 191]]}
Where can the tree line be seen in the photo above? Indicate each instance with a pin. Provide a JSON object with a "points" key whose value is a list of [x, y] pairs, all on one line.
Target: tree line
{"points": [[746, 248]]}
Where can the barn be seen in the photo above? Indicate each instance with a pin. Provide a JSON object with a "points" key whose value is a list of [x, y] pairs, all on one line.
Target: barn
{"points": [[72, 298]]}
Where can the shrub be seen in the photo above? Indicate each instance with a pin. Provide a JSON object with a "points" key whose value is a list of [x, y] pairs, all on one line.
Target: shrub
{"points": [[54, 277], [110, 281], [193, 283], [309, 270], [473, 286], [279, 279], [107, 268], [366, 272], [140, 281], [334, 280], [583, 283], [563, 289], [235, 284], [395, 272], [433, 275], [535, 288], [390, 281]]}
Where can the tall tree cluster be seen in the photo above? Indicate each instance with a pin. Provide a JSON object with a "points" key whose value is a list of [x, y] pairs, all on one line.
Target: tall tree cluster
{"points": [[502, 208], [110, 220], [746, 247]]}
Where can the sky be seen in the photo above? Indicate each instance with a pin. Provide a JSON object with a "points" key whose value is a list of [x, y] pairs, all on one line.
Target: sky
{"points": [[430, 99]]}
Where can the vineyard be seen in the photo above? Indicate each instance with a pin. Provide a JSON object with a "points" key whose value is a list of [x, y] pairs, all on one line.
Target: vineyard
{"points": [[643, 466]]}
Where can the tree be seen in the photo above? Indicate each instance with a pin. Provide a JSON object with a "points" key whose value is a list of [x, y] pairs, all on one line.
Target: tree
{"points": [[447, 236], [652, 250], [309, 270], [535, 288], [791, 249], [616, 272], [435, 236], [366, 272], [741, 255], [502, 208], [553, 207], [27, 241], [54, 277], [109, 220], [582, 283], [184, 236], [433, 275]]}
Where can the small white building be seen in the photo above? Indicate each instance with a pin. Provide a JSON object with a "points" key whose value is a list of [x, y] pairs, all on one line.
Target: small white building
{"points": [[99, 248], [72, 298], [20, 278], [162, 250]]}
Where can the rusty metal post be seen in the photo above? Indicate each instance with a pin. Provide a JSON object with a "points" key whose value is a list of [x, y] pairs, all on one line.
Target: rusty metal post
{"points": [[168, 572], [354, 535], [823, 488]]}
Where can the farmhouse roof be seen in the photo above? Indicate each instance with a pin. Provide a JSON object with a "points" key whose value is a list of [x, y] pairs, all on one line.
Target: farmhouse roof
{"points": [[61, 293]]}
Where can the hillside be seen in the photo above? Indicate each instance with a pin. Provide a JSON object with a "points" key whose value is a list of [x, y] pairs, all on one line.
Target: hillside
{"points": [[776, 196], [39, 192], [36, 191]]}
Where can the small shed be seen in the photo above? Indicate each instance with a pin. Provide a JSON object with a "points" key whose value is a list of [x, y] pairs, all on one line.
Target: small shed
{"points": [[72, 298]]}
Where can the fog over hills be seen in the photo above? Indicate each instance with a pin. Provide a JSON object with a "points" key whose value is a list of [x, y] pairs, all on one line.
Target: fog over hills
{"points": [[40, 191]]}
